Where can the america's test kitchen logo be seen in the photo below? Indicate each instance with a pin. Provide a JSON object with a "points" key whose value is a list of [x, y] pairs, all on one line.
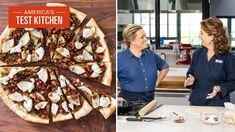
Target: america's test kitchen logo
{"points": [[38, 17]]}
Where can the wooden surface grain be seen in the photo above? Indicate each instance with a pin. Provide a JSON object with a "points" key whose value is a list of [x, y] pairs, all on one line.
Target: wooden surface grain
{"points": [[172, 82], [103, 11]]}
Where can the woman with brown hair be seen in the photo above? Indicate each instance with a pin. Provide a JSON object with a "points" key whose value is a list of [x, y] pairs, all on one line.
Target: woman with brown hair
{"points": [[138, 67], [211, 75]]}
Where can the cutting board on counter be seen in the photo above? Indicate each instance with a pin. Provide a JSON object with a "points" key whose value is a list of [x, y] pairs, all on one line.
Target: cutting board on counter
{"points": [[104, 12]]}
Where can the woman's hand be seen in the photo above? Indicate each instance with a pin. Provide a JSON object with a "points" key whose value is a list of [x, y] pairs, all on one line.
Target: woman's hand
{"points": [[216, 89], [189, 80]]}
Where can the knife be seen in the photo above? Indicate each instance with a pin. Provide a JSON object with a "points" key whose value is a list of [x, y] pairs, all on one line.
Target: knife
{"points": [[146, 119]]}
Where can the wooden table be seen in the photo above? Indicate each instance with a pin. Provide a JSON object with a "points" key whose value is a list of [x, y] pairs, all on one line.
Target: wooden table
{"points": [[104, 12]]}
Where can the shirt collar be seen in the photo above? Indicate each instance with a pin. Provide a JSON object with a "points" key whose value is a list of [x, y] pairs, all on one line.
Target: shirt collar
{"points": [[130, 54]]}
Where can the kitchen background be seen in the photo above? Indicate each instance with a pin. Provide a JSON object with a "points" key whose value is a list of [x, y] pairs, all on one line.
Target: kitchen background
{"points": [[168, 24]]}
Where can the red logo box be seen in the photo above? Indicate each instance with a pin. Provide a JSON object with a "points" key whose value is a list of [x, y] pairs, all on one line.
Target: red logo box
{"points": [[38, 17]]}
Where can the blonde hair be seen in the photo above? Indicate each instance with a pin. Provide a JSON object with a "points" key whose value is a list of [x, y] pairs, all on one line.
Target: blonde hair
{"points": [[214, 26], [129, 33]]}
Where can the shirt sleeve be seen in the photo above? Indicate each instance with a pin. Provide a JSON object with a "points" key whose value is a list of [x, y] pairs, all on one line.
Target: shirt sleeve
{"points": [[191, 67], [229, 86], [161, 64], [119, 66]]}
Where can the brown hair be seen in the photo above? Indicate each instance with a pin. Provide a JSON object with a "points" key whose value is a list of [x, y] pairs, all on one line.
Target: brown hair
{"points": [[129, 33], [213, 26]]}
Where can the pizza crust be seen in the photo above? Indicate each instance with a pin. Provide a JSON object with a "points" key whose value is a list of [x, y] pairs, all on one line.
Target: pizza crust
{"points": [[83, 111], [80, 15], [107, 78], [5, 34], [16, 108], [98, 32], [106, 52], [7, 31], [106, 112], [62, 117]]}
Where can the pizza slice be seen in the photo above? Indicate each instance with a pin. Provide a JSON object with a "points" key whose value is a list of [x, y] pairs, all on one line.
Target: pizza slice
{"points": [[77, 104], [88, 46], [106, 104], [25, 92], [59, 105], [92, 44], [22, 45], [60, 36], [100, 72]]}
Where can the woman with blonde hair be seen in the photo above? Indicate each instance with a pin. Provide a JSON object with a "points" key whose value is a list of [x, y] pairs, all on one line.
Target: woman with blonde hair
{"points": [[211, 75], [138, 66]]}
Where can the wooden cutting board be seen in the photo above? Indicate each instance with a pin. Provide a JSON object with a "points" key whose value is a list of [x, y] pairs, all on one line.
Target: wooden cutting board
{"points": [[104, 12]]}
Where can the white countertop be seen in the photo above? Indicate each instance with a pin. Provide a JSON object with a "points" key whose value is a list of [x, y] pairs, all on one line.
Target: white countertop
{"points": [[177, 72], [191, 124]]}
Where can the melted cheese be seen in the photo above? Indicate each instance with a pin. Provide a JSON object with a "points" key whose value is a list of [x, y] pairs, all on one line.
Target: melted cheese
{"points": [[64, 106], [28, 104], [40, 52], [95, 102], [25, 86], [54, 108], [88, 48], [63, 51], [87, 56], [88, 32], [61, 40], [24, 40], [16, 49], [40, 96], [16, 97], [85, 89], [77, 69], [100, 50], [7, 46], [54, 97], [4, 80], [41, 105], [43, 75], [95, 67], [59, 91], [78, 45], [104, 101], [71, 106], [62, 81], [78, 58], [23, 55], [29, 58]]}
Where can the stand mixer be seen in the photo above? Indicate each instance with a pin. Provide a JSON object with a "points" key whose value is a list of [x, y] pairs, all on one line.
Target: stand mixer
{"points": [[185, 57]]}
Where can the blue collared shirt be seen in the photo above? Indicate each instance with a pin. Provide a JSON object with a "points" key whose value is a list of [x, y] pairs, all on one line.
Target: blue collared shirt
{"points": [[217, 71], [139, 74]]}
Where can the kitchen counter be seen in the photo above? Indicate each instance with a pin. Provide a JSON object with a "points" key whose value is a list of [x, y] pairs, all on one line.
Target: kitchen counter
{"points": [[191, 124], [172, 82], [174, 79]]}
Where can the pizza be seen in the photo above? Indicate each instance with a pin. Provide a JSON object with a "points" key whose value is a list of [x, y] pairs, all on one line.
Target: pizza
{"points": [[32, 84]]}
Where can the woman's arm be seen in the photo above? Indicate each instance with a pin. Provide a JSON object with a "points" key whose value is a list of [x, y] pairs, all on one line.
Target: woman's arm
{"points": [[228, 86], [162, 75]]}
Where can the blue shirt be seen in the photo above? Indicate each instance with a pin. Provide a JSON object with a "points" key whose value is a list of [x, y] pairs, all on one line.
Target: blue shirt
{"points": [[139, 74], [217, 71]]}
